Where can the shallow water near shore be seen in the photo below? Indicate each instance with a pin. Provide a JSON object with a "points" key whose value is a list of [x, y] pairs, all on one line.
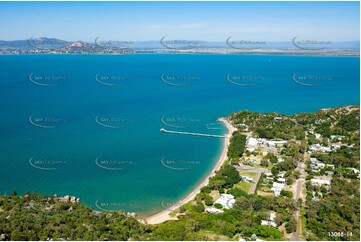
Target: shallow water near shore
{"points": [[89, 125]]}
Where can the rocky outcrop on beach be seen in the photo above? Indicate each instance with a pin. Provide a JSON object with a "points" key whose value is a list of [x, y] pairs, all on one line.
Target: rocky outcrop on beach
{"points": [[66, 199]]}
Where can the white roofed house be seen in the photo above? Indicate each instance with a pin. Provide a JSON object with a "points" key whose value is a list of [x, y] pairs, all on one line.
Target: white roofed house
{"points": [[214, 210], [226, 200], [268, 173], [330, 165], [313, 160], [247, 178], [277, 188], [320, 182], [318, 147], [329, 173], [320, 165], [274, 143], [318, 136], [252, 144], [335, 146], [280, 159], [315, 170], [270, 221], [281, 174], [355, 171]]}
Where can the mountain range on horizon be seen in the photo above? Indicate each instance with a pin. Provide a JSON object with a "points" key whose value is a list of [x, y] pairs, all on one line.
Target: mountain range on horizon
{"points": [[54, 43]]}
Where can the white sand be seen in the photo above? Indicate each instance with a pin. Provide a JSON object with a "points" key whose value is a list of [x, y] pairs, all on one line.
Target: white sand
{"points": [[164, 215]]}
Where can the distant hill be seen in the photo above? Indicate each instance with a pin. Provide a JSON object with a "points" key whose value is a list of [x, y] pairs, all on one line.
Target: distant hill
{"points": [[53, 43], [33, 43]]}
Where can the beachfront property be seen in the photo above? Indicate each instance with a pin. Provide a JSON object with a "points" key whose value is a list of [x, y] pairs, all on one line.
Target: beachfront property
{"points": [[253, 143], [226, 200], [270, 221], [213, 210]]}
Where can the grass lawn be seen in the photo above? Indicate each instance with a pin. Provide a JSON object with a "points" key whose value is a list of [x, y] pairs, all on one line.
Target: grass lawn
{"points": [[247, 173], [264, 194], [215, 195], [245, 186]]}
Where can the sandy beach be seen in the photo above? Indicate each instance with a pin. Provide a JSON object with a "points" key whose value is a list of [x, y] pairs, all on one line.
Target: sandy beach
{"points": [[165, 214]]}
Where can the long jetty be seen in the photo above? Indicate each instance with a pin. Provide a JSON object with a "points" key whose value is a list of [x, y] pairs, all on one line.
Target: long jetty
{"points": [[194, 134]]}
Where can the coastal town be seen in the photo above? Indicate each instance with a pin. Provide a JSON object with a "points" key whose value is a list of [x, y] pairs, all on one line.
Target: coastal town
{"points": [[280, 177], [55, 46], [180, 120], [291, 157], [284, 157]]}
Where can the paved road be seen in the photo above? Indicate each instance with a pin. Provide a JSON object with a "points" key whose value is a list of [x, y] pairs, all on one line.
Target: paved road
{"points": [[251, 168], [298, 194], [300, 180]]}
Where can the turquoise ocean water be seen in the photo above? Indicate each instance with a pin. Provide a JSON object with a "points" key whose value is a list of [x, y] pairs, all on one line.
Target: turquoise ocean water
{"points": [[88, 125]]}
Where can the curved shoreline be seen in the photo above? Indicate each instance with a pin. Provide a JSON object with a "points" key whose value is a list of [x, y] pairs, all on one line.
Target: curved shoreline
{"points": [[165, 214]]}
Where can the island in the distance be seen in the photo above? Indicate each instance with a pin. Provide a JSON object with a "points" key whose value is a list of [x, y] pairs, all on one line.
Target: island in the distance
{"points": [[283, 177]]}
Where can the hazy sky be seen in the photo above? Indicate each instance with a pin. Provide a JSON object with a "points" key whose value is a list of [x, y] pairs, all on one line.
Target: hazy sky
{"points": [[210, 21]]}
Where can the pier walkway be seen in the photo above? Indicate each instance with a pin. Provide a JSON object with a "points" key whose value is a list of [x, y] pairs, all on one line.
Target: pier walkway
{"points": [[194, 134]]}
